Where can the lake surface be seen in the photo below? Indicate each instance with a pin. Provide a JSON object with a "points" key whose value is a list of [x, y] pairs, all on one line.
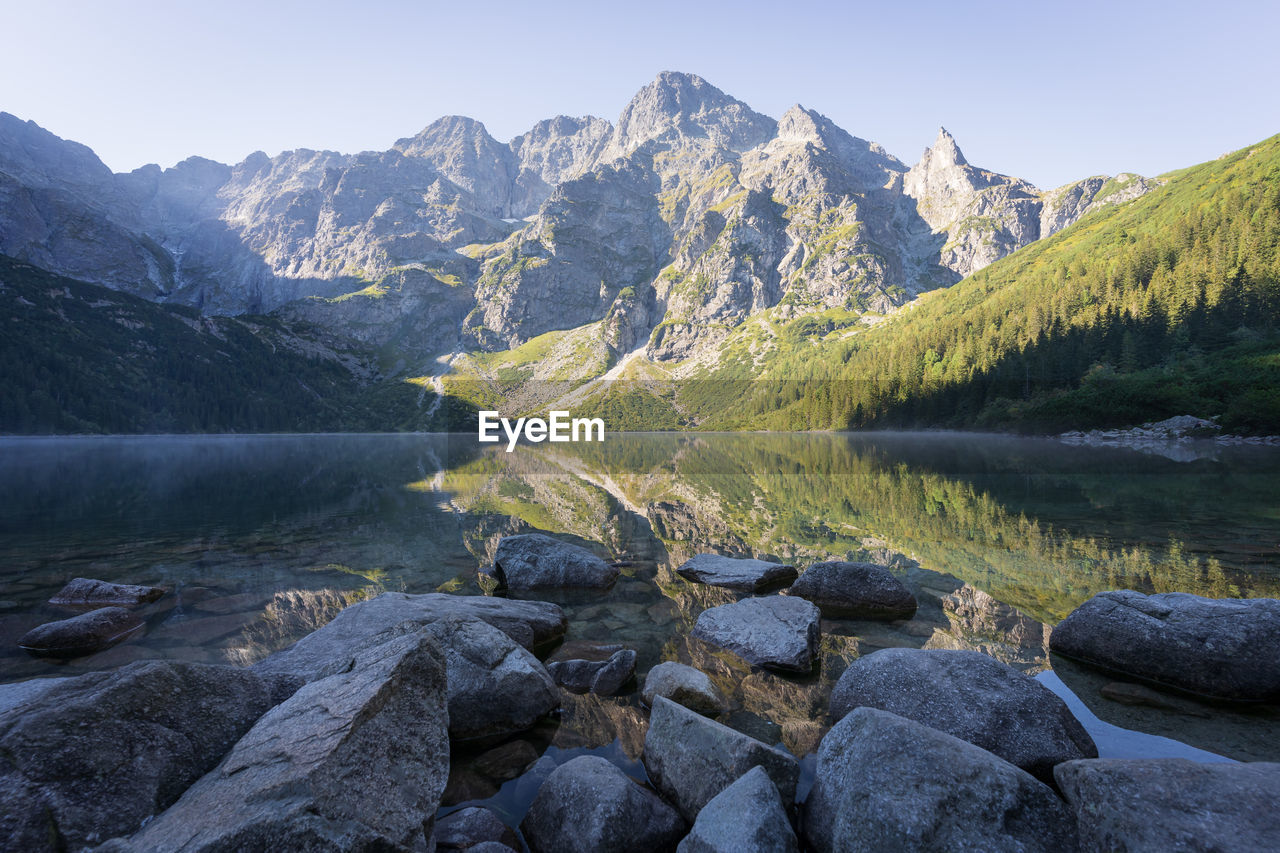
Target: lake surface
{"points": [[261, 539]]}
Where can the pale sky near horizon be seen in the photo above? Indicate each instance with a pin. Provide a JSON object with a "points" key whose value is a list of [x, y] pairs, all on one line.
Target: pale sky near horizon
{"points": [[1045, 91]]}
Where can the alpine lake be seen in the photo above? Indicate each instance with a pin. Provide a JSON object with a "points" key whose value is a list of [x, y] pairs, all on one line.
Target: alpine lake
{"points": [[259, 540]]}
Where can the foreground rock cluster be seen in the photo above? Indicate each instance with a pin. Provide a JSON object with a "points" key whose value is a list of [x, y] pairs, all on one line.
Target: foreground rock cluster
{"points": [[344, 741]]}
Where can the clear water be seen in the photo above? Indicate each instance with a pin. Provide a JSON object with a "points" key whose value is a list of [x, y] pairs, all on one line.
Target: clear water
{"points": [[262, 539]]}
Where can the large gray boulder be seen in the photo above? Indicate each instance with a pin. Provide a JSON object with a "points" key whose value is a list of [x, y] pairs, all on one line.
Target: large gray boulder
{"points": [[355, 761], [588, 805], [536, 561], [691, 759], [1160, 804], [747, 815], [1221, 648], [855, 591], [740, 573], [777, 631], [683, 685], [884, 782], [81, 635], [532, 624], [90, 757], [495, 685], [87, 592], [971, 696]]}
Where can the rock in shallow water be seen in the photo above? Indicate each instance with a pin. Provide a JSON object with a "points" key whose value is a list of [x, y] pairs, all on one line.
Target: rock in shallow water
{"points": [[886, 783], [588, 805], [778, 632], [685, 686], [855, 591], [81, 635], [93, 756], [743, 574], [1221, 648], [95, 593], [355, 761], [466, 828], [691, 758], [1163, 804], [970, 696], [535, 561], [746, 816], [603, 678]]}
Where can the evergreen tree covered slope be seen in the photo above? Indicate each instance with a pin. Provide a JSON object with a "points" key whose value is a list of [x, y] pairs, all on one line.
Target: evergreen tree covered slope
{"points": [[1166, 305], [81, 358]]}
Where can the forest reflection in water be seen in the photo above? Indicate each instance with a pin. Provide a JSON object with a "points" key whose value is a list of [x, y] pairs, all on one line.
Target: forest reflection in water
{"points": [[262, 539]]}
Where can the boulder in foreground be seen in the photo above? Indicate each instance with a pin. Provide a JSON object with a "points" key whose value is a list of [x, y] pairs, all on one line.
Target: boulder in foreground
{"points": [[1219, 648], [845, 590], [779, 632], [1172, 804], [81, 635], [747, 815], [537, 561], [588, 805], [355, 761], [691, 759], [741, 573], [970, 696], [87, 592], [884, 782]]}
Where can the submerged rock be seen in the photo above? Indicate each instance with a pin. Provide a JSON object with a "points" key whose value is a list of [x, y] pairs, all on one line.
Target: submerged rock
{"points": [[855, 591], [94, 756], [355, 761], [601, 677], [588, 805], [95, 593], [747, 815], [970, 696], [1172, 804], [81, 635], [779, 632], [536, 561], [685, 686], [469, 827], [1220, 648], [495, 685], [743, 574], [886, 783], [532, 624], [691, 759]]}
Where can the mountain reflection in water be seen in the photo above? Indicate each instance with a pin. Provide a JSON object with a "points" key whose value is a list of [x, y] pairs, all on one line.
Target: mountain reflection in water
{"points": [[261, 539]]}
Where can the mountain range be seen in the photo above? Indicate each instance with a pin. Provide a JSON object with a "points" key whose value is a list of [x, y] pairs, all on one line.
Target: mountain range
{"points": [[659, 244]]}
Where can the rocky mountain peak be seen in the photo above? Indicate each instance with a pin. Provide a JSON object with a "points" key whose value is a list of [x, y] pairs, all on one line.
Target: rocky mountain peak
{"points": [[677, 107], [35, 157], [461, 149], [945, 151]]}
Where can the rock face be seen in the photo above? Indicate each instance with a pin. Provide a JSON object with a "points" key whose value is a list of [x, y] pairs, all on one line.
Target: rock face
{"points": [[355, 761], [776, 632], [692, 759], [747, 815], [746, 575], [1172, 804], [495, 686], [855, 591], [970, 696], [531, 623], [685, 686], [886, 783], [95, 593], [1221, 648], [81, 635], [601, 677], [588, 804], [92, 757], [536, 561]]}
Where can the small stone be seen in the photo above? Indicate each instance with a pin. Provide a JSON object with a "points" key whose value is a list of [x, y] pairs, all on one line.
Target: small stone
{"points": [[742, 574], [683, 685], [86, 592]]}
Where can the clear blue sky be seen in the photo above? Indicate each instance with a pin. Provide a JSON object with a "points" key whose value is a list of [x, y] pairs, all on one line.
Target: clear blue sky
{"points": [[1046, 91]]}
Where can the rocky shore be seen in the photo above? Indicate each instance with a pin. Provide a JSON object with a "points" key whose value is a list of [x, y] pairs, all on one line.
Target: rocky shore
{"points": [[349, 739]]}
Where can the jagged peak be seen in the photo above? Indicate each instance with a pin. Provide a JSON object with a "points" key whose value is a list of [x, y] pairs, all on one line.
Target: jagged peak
{"points": [[945, 151], [445, 130]]}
